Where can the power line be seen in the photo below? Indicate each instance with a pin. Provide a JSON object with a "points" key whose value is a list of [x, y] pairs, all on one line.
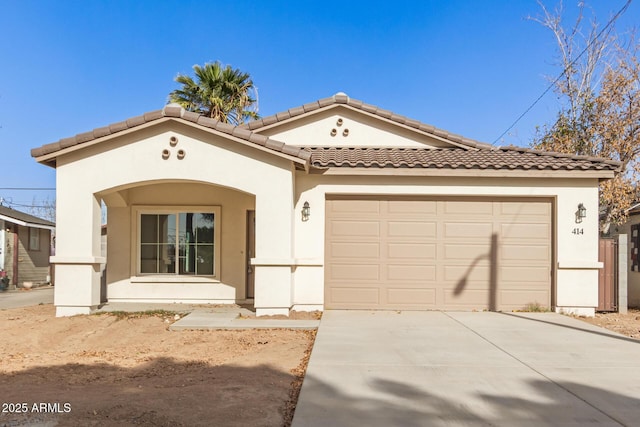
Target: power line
{"points": [[25, 206], [611, 21], [28, 188]]}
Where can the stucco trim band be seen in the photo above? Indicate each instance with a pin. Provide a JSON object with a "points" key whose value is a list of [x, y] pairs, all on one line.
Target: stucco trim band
{"points": [[287, 262], [582, 265], [58, 259]]}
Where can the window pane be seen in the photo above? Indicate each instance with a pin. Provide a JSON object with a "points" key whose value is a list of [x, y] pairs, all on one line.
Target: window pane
{"points": [[149, 258], [194, 230], [204, 258], [148, 228], [167, 259], [157, 228], [166, 228], [34, 239], [157, 248], [187, 259], [204, 223]]}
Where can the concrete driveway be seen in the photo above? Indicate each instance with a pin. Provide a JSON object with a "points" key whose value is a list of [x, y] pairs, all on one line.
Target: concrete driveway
{"points": [[458, 368]]}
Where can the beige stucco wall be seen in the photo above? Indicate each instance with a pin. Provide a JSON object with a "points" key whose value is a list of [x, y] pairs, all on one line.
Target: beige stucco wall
{"points": [[363, 130], [576, 257], [119, 170]]}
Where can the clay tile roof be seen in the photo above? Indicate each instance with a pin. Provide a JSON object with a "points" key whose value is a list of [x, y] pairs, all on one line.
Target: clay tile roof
{"points": [[177, 112], [453, 158], [482, 156]]}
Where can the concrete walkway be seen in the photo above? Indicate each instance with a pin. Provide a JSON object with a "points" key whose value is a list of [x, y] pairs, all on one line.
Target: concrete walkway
{"points": [[26, 297], [201, 316], [236, 319], [436, 369]]}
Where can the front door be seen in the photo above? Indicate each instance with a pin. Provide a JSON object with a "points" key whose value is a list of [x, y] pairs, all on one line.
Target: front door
{"points": [[251, 252]]}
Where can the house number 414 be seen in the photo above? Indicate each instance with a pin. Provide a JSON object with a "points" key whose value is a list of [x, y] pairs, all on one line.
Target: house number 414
{"points": [[578, 231]]}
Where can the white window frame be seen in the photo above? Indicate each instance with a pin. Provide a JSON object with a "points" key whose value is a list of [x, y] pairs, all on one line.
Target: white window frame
{"points": [[137, 213]]}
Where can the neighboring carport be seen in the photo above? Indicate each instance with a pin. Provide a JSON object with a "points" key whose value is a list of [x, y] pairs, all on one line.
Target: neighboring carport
{"points": [[430, 368]]}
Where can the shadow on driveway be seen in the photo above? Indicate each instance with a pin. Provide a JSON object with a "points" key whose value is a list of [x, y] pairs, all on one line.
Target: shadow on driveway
{"points": [[400, 404]]}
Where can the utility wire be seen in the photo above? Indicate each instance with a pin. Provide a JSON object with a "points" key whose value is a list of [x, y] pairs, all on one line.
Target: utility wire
{"points": [[28, 188], [25, 206], [552, 85]]}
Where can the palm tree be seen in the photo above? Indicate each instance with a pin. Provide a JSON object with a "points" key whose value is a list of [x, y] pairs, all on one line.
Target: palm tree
{"points": [[221, 93]]}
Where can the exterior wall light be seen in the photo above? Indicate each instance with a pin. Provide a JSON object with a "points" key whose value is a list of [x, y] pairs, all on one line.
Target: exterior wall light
{"points": [[306, 211], [581, 213]]}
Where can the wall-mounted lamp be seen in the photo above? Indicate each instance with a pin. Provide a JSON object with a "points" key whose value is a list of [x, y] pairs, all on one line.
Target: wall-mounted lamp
{"points": [[581, 213], [306, 211]]}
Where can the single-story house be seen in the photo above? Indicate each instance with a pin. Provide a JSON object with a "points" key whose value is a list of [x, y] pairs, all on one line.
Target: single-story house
{"points": [[336, 204], [25, 247]]}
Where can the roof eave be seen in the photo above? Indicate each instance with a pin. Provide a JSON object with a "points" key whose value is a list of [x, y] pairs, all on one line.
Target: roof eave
{"points": [[50, 158], [476, 173], [26, 223]]}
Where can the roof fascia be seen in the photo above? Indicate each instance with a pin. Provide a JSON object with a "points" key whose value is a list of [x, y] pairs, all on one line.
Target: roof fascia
{"points": [[25, 223], [52, 156], [343, 171], [48, 159]]}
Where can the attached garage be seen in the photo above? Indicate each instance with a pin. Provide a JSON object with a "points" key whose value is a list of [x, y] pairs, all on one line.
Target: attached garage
{"points": [[444, 254]]}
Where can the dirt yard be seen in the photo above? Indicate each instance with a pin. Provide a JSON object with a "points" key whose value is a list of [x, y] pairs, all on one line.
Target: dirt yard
{"points": [[625, 324], [104, 370], [107, 370]]}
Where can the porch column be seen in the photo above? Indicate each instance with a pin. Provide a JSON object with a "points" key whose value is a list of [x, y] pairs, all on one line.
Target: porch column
{"points": [[77, 259], [273, 261]]}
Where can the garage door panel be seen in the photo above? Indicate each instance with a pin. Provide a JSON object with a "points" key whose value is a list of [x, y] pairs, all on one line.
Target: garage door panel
{"points": [[354, 272], [467, 252], [418, 273], [354, 206], [466, 208], [435, 254], [356, 250], [455, 273], [412, 207], [346, 229], [468, 230], [409, 296], [535, 231], [411, 229], [514, 298], [349, 295], [524, 274], [542, 209], [411, 251], [466, 298], [528, 253]]}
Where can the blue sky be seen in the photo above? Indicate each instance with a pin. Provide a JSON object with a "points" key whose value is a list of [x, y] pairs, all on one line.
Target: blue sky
{"points": [[468, 66]]}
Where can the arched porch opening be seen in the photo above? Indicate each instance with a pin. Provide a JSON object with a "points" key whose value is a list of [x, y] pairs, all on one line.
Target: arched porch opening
{"points": [[177, 241]]}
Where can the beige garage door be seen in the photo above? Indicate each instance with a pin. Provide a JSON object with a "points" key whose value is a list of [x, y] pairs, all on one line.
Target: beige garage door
{"points": [[453, 254]]}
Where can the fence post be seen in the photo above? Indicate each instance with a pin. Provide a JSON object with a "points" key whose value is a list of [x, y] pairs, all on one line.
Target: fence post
{"points": [[623, 256]]}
